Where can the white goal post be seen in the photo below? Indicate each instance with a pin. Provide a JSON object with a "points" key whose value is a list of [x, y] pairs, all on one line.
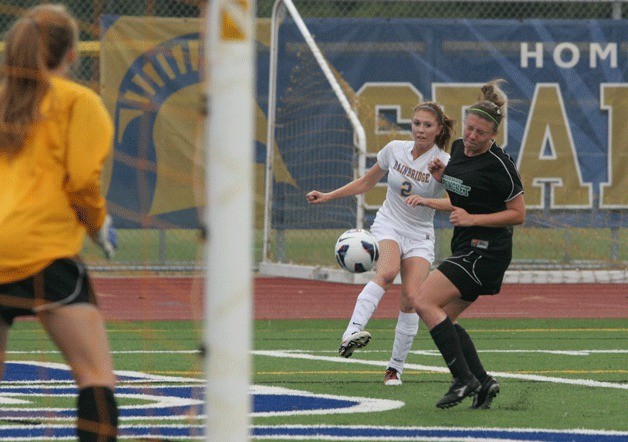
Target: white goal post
{"points": [[229, 147]]}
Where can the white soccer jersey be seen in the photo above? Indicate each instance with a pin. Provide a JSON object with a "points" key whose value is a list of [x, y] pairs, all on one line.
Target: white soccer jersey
{"points": [[407, 176]]}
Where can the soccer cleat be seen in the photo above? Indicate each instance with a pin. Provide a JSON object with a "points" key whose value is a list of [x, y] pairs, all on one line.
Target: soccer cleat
{"points": [[353, 342], [392, 377], [458, 391], [484, 398]]}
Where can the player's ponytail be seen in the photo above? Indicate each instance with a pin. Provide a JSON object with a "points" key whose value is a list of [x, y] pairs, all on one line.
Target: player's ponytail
{"points": [[492, 92], [442, 139], [490, 106], [35, 44], [22, 86]]}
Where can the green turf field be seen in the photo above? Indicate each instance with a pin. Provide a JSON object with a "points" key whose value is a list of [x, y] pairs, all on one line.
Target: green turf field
{"points": [[558, 350], [554, 374]]}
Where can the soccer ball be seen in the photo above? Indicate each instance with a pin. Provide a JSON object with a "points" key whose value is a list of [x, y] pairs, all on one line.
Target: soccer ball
{"points": [[356, 250]]}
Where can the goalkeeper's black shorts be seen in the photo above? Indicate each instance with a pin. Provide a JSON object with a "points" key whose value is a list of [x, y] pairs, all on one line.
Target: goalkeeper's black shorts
{"points": [[63, 282]]}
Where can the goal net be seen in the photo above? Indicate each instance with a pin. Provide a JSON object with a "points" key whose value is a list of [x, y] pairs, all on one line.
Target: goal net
{"points": [[322, 147]]}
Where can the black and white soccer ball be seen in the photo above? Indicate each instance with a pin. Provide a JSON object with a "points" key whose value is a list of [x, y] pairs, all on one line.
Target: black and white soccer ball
{"points": [[356, 250]]}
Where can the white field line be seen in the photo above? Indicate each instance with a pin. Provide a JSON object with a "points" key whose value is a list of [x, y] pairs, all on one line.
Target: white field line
{"points": [[527, 377], [298, 354]]}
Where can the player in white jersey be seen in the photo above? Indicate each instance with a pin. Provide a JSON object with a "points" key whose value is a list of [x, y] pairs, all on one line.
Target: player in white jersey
{"points": [[405, 234]]}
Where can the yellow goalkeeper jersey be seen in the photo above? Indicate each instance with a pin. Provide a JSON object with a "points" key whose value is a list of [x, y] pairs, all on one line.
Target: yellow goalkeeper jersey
{"points": [[50, 192]]}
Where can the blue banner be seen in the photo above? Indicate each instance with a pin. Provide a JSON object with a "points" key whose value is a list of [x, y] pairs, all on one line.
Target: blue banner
{"points": [[565, 83], [565, 128]]}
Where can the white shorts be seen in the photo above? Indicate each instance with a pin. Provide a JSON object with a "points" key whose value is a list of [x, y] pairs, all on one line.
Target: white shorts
{"points": [[410, 247]]}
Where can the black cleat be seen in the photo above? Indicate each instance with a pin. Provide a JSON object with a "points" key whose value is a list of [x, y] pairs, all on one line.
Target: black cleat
{"points": [[484, 398], [353, 342], [458, 391]]}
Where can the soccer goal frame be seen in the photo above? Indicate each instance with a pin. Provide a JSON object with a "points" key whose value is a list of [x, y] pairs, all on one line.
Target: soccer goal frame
{"points": [[230, 78], [266, 267]]}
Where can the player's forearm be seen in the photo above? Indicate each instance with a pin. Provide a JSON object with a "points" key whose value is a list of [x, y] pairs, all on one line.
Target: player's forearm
{"points": [[505, 218], [351, 189], [442, 204], [90, 210]]}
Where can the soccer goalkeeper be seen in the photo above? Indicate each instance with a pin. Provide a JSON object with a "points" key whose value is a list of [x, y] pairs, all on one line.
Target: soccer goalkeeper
{"points": [[54, 137]]}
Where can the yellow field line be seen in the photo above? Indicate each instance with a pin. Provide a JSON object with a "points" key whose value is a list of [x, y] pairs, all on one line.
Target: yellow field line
{"points": [[414, 372], [543, 330], [176, 373], [572, 371], [487, 330], [309, 330], [506, 330]]}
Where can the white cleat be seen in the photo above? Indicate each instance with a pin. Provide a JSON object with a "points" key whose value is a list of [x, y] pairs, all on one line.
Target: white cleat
{"points": [[353, 342]]}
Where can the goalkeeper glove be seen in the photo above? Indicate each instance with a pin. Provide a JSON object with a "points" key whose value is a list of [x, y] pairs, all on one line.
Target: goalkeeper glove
{"points": [[107, 238]]}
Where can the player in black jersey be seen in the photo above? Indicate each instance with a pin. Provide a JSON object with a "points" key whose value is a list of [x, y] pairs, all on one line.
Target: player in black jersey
{"points": [[485, 201]]}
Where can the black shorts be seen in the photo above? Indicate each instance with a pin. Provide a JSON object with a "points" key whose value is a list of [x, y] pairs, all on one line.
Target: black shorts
{"points": [[63, 282], [475, 274]]}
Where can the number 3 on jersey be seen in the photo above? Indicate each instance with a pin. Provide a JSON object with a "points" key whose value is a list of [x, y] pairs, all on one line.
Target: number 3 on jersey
{"points": [[406, 188]]}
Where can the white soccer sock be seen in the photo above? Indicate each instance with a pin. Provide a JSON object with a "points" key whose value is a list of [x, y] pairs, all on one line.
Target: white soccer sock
{"points": [[365, 305], [406, 330]]}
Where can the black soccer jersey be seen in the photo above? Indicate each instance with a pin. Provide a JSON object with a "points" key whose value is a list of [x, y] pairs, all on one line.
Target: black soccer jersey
{"points": [[481, 184]]}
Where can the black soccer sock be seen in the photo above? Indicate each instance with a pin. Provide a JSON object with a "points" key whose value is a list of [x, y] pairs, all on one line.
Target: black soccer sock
{"points": [[470, 354], [446, 339], [97, 415]]}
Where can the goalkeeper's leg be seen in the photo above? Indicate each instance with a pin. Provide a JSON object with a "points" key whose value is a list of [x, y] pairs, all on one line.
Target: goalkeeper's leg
{"points": [[79, 332]]}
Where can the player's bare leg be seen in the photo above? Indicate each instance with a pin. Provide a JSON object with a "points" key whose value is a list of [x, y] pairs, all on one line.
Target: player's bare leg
{"points": [[87, 353], [89, 357]]}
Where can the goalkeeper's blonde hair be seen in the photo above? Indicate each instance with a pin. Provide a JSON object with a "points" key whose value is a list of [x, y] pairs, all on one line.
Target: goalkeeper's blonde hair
{"points": [[34, 45]]}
